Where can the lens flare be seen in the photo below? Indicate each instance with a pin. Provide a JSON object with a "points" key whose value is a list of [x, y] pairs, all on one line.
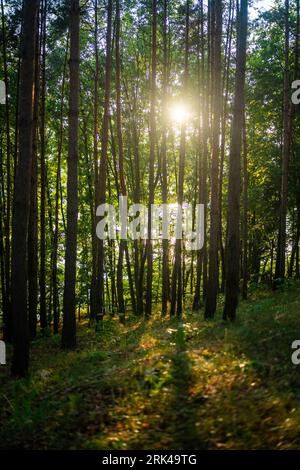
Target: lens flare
{"points": [[179, 113]]}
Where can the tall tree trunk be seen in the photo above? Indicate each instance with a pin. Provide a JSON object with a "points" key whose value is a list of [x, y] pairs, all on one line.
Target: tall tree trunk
{"points": [[138, 252], [33, 217], [56, 307], [123, 192], [136, 184], [69, 302], [2, 268], [149, 245], [51, 236], [281, 241], [17, 107], [205, 165], [94, 283], [42, 279], [295, 248], [234, 184], [245, 212], [103, 164], [7, 320], [165, 242], [213, 280], [224, 119], [22, 194], [176, 301], [202, 166]]}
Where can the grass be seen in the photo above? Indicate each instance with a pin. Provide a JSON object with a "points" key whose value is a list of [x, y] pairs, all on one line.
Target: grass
{"points": [[164, 384]]}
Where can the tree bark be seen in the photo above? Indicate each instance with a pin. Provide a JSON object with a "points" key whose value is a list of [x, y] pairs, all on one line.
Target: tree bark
{"points": [[245, 213], [213, 279], [56, 307], [224, 119], [7, 320], [123, 192], [149, 245], [22, 194], [94, 283], [176, 300], [234, 184], [103, 164], [69, 301], [202, 166], [33, 217], [281, 241], [42, 278], [165, 243]]}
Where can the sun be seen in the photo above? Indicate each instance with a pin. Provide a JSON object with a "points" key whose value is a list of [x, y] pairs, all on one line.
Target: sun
{"points": [[179, 113]]}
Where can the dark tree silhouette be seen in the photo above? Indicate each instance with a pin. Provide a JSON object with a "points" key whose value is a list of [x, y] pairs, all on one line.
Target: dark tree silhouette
{"points": [[69, 305], [234, 185], [22, 193]]}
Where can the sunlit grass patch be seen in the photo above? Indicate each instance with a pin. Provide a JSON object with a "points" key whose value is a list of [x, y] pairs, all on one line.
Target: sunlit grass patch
{"points": [[162, 384]]}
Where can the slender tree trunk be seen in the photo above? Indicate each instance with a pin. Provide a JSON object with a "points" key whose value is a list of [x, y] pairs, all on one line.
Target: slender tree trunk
{"points": [[33, 217], [103, 163], [42, 280], [22, 193], [281, 241], [165, 242], [149, 244], [69, 301], [225, 94], [245, 212], [7, 320], [176, 301], [56, 307], [94, 283], [234, 184], [205, 167], [272, 260], [123, 192], [202, 167], [138, 246], [2, 268], [16, 141], [295, 248], [213, 280], [130, 280]]}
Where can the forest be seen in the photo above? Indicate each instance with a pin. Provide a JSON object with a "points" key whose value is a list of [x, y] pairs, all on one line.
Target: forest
{"points": [[150, 224]]}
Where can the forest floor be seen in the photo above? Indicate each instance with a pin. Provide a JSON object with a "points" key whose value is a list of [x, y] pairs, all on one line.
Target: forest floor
{"points": [[162, 384]]}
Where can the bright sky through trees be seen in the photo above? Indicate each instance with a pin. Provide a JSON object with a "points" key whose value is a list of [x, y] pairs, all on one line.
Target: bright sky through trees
{"points": [[179, 113], [259, 6]]}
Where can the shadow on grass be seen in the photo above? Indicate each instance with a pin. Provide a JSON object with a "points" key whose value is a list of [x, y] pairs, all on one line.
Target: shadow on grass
{"points": [[55, 407], [173, 425], [183, 408], [149, 386]]}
